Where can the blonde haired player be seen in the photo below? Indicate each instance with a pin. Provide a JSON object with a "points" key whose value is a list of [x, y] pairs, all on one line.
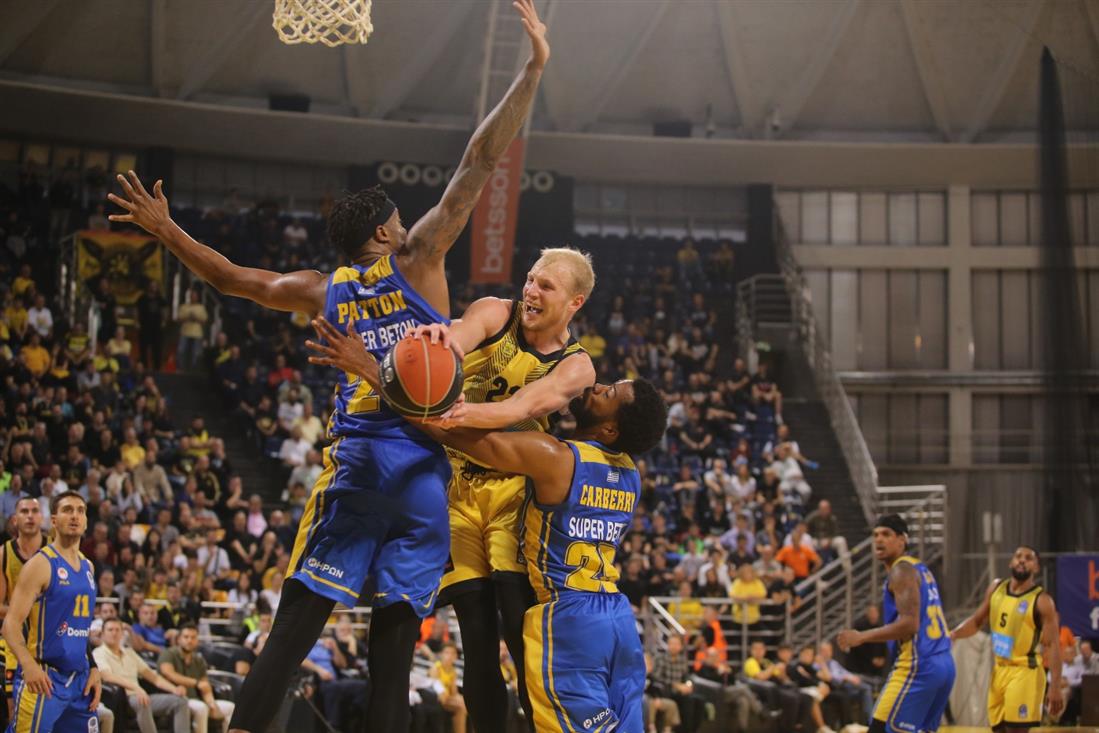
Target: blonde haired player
{"points": [[1020, 615], [521, 364], [14, 554]]}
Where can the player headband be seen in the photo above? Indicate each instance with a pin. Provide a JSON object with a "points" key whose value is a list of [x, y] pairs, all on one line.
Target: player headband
{"points": [[893, 522], [378, 219]]}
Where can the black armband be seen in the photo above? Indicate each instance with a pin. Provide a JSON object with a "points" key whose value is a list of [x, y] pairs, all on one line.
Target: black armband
{"points": [[91, 659]]}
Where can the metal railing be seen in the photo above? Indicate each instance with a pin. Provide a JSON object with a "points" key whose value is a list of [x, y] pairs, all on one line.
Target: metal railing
{"points": [[664, 616], [830, 599], [829, 388]]}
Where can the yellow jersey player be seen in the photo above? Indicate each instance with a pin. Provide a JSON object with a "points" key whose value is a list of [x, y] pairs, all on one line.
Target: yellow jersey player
{"points": [[57, 687], [520, 364], [379, 508], [1021, 615], [14, 554]]}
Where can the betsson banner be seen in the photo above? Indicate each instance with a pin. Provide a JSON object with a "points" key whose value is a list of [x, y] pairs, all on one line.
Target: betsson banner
{"points": [[1078, 594], [494, 220]]}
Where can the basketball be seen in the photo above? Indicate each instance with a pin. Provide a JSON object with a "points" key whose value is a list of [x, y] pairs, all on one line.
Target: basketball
{"points": [[421, 379]]}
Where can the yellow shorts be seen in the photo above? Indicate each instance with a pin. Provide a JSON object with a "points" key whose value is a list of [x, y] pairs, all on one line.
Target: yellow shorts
{"points": [[485, 516], [1016, 694]]}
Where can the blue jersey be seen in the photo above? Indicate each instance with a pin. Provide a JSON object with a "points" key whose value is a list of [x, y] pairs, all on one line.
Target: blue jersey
{"points": [[57, 628], [571, 547], [382, 307], [933, 636]]}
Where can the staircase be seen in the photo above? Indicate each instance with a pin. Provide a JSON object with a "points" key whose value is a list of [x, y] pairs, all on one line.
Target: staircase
{"points": [[811, 428], [190, 396]]}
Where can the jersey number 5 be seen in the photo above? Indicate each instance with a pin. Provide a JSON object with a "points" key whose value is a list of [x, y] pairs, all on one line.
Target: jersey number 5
{"points": [[594, 563]]}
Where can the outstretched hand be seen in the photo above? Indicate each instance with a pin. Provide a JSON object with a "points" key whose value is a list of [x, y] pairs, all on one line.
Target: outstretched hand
{"points": [[344, 351], [150, 212], [536, 30]]}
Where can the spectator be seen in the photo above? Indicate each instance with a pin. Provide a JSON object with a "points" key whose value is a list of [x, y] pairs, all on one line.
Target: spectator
{"points": [[451, 699], [192, 319], [798, 555], [822, 525], [185, 666], [844, 682], [311, 427], [660, 708], [338, 695], [767, 568], [671, 679], [152, 315], [690, 262], [766, 395], [748, 592], [869, 660], [34, 357], [120, 666], [765, 680], [213, 560], [294, 449], [39, 317], [801, 673], [120, 349]]}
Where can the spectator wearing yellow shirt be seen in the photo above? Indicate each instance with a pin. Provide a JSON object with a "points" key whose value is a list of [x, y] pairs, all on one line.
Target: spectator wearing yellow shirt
{"points": [[133, 453], [451, 700], [747, 592], [103, 361], [77, 344], [312, 429], [192, 319], [686, 609], [23, 281], [15, 313], [593, 343], [35, 357], [119, 347]]}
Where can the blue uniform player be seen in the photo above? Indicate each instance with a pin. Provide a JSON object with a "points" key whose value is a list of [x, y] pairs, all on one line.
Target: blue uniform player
{"points": [[379, 509], [915, 695], [583, 657], [56, 688]]}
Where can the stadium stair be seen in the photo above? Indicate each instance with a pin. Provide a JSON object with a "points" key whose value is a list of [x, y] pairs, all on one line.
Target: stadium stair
{"points": [[812, 429], [192, 395]]}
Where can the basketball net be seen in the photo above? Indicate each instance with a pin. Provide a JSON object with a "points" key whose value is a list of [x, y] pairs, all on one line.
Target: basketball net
{"points": [[331, 22]]}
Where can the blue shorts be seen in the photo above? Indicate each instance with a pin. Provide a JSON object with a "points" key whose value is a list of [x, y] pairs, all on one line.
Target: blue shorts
{"points": [[584, 663], [64, 711], [377, 511], [914, 697]]}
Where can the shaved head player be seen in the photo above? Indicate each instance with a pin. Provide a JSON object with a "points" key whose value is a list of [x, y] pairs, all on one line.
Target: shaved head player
{"points": [[379, 508]]}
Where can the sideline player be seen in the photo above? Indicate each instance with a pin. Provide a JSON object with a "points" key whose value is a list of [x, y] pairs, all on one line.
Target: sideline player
{"points": [[585, 666], [379, 508], [1021, 613], [915, 695], [521, 364], [13, 556], [57, 687]]}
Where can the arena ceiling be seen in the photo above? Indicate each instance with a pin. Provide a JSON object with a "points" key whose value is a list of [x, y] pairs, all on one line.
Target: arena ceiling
{"points": [[905, 70]]}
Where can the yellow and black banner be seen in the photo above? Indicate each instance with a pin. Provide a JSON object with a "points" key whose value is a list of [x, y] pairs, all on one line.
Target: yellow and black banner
{"points": [[128, 261]]}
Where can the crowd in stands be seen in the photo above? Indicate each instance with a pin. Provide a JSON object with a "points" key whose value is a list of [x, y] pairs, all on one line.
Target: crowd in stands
{"points": [[727, 513]]}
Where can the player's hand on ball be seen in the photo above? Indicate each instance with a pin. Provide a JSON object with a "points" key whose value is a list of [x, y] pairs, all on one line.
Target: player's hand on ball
{"points": [[345, 351], [536, 30], [437, 333], [848, 639], [150, 212], [453, 417], [36, 680]]}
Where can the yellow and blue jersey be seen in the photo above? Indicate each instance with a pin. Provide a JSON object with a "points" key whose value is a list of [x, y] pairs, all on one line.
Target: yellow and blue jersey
{"points": [[57, 635], [378, 511], [916, 693], [571, 547], [382, 307], [58, 624], [584, 664]]}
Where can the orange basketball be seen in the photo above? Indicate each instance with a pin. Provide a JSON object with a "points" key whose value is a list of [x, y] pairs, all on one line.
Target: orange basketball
{"points": [[421, 379]]}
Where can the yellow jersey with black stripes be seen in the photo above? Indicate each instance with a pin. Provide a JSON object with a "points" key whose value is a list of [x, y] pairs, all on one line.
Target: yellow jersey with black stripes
{"points": [[504, 363], [381, 307], [571, 547], [1015, 625], [11, 564], [57, 627]]}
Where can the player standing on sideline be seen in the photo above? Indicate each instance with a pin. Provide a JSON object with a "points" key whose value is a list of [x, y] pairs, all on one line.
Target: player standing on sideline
{"points": [[57, 686], [585, 666], [915, 695], [13, 556], [521, 364], [379, 508], [1021, 614]]}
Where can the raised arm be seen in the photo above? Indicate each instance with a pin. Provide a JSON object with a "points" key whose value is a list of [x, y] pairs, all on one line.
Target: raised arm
{"points": [[977, 619], [904, 582], [432, 236], [302, 291]]}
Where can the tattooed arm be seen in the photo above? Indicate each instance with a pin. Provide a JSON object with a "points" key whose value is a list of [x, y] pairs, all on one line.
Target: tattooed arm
{"points": [[433, 235]]}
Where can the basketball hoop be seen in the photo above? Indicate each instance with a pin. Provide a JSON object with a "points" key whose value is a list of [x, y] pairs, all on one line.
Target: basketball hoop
{"points": [[331, 22]]}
